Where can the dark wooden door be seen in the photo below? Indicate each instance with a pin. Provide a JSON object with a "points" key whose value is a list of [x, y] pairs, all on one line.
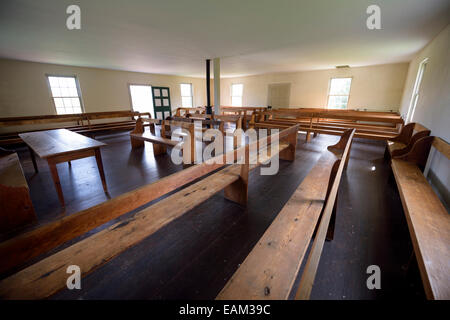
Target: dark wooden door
{"points": [[161, 102]]}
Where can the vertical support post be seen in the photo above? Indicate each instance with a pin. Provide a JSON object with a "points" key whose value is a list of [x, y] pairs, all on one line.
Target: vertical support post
{"points": [[208, 87], [216, 85]]}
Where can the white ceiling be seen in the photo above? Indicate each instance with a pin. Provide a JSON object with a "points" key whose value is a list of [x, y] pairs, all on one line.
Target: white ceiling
{"points": [[250, 36]]}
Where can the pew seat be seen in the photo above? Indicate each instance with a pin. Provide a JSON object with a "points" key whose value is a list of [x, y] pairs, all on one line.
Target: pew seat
{"points": [[148, 136], [428, 222]]}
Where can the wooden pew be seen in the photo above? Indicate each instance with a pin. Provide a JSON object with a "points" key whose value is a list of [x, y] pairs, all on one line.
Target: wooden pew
{"points": [[407, 137], [80, 123], [183, 112], [271, 268], [47, 276], [427, 218], [243, 112], [369, 125], [16, 208], [160, 143]]}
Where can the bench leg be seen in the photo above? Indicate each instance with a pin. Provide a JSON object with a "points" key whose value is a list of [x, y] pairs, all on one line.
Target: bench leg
{"points": [[135, 143], [308, 136], [289, 153], [159, 149], [238, 190], [33, 159]]}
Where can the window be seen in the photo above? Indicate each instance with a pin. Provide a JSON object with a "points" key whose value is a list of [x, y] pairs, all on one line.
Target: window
{"points": [[339, 93], [141, 98], [186, 95], [236, 95], [415, 94], [65, 93]]}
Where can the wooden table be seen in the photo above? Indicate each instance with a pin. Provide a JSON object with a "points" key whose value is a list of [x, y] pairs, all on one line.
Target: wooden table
{"points": [[62, 145]]}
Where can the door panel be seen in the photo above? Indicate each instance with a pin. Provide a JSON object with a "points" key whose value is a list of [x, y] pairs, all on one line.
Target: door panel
{"points": [[161, 102]]}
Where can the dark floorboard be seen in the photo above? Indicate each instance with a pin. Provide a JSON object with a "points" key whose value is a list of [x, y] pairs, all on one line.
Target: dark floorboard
{"points": [[195, 255]]}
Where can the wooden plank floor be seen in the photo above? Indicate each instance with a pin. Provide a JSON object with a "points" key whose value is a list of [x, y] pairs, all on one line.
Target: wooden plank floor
{"points": [[194, 256]]}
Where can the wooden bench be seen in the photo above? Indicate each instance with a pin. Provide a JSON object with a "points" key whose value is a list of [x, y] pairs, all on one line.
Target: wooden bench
{"points": [[271, 268], [427, 218], [16, 208], [44, 278], [244, 112], [81, 123], [180, 112], [160, 143], [371, 125], [407, 137]]}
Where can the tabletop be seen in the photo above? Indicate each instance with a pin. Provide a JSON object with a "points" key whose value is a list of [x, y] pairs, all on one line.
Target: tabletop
{"points": [[50, 143]]}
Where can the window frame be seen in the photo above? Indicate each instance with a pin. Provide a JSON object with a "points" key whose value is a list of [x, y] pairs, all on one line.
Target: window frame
{"points": [[416, 89], [191, 96], [77, 84], [242, 95], [339, 95]]}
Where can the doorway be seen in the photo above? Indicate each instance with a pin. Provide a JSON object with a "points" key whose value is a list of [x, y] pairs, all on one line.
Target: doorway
{"points": [[279, 95], [142, 98]]}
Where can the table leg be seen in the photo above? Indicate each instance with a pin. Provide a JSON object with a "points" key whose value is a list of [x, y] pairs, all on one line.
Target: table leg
{"points": [[33, 159], [98, 157], [55, 176]]}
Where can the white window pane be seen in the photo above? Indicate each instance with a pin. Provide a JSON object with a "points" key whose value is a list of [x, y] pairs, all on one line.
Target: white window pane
{"points": [[65, 92], [337, 102], [53, 81], [73, 92], [70, 83], [186, 102], [69, 110], [236, 101], [165, 92], [56, 92], [340, 86], [60, 111], [62, 82], [186, 89], [157, 93], [165, 102], [75, 102], [59, 103], [76, 110], [157, 102], [236, 90], [67, 102]]}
